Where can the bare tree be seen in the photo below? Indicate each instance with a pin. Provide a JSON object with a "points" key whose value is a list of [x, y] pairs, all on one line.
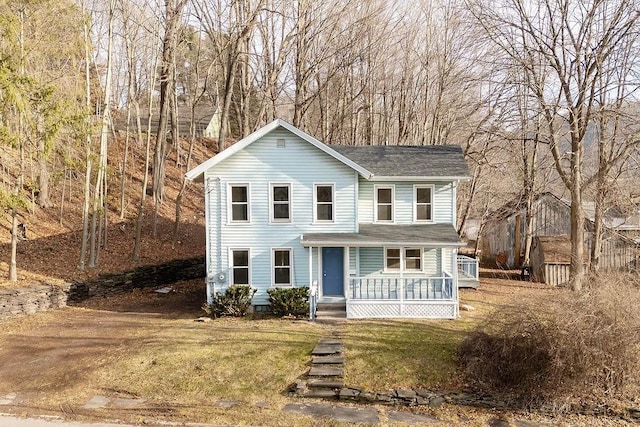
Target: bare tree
{"points": [[98, 205], [569, 38]]}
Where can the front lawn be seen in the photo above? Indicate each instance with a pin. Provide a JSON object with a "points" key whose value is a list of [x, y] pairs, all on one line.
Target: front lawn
{"points": [[144, 346], [414, 354]]}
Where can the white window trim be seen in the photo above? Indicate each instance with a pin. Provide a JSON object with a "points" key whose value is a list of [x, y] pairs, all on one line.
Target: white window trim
{"points": [[315, 203], [393, 202], [232, 266], [273, 268], [273, 220], [230, 219], [415, 202], [402, 268], [404, 259]]}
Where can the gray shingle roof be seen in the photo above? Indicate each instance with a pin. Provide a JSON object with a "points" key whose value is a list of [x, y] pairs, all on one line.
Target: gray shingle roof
{"points": [[408, 160], [436, 235]]}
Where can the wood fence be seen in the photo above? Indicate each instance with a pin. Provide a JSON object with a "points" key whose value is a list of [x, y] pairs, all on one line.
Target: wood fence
{"points": [[616, 254]]}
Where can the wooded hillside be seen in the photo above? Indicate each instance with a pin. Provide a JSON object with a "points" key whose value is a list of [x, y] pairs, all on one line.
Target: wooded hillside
{"points": [[541, 94], [51, 251]]}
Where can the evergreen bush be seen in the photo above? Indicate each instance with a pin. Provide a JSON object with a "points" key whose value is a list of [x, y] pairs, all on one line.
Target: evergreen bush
{"points": [[234, 302], [289, 301]]}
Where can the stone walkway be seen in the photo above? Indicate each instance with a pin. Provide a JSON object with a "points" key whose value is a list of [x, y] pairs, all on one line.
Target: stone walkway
{"points": [[325, 379]]}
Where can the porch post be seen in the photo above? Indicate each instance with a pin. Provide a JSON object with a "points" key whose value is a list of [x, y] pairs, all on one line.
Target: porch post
{"points": [[455, 282], [310, 266], [345, 272]]}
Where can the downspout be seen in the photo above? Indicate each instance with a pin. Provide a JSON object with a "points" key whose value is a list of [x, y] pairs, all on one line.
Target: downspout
{"points": [[207, 211], [454, 205], [219, 223], [356, 201]]}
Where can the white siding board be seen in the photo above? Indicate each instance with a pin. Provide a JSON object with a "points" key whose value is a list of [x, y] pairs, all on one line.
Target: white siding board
{"points": [[261, 163], [371, 261], [443, 201], [430, 259]]}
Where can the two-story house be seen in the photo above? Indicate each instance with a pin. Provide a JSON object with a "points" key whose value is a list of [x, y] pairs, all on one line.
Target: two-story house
{"points": [[372, 226]]}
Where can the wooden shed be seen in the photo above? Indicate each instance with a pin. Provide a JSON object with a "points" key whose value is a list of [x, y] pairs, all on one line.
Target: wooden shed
{"points": [[551, 259], [505, 231]]}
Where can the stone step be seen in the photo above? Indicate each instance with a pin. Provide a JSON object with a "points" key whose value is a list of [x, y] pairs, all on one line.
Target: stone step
{"points": [[327, 360], [330, 341], [325, 371], [325, 383], [325, 350], [321, 393]]}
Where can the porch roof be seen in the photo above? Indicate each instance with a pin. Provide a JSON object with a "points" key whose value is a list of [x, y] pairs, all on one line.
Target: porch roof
{"points": [[374, 235]]}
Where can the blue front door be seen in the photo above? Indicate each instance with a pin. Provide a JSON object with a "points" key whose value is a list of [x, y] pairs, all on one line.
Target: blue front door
{"points": [[332, 272]]}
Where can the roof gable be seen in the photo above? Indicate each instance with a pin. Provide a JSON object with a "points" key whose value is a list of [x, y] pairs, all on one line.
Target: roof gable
{"points": [[199, 170]]}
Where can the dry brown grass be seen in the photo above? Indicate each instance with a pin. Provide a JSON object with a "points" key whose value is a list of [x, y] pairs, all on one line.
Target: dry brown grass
{"points": [[146, 345], [573, 347]]}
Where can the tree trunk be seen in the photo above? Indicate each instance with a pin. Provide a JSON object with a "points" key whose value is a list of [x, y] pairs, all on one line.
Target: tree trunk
{"points": [[167, 80], [577, 219], [13, 268], [44, 200], [88, 161]]}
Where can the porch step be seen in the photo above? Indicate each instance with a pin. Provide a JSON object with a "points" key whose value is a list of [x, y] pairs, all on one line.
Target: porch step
{"points": [[332, 306], [332, 311]]}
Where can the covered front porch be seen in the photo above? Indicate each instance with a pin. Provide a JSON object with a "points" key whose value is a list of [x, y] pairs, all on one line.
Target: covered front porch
{"points": [[387, 271]]}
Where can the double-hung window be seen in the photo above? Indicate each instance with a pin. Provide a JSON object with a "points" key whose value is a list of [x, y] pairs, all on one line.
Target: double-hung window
{"points": [[412, 259], [392, 259], [323, 197], [384, 196], [423, 198], [405, 259], [239, 204], [280, 202], [240, 266], [282, 267]]}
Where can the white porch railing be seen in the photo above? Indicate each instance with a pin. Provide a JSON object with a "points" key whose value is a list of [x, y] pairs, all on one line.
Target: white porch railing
{"points": [[401, 288], [467, 267]]}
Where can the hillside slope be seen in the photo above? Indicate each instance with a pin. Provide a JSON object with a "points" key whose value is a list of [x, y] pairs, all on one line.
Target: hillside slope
{"points": [[51, 252]]}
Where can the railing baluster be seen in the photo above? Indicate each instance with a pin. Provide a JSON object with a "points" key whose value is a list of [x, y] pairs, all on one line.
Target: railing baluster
{"points": [[402, 288]]}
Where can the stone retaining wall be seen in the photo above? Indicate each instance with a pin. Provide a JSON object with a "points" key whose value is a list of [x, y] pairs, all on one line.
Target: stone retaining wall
{"points": [[141, 277], [29, 300], [39, 297]]}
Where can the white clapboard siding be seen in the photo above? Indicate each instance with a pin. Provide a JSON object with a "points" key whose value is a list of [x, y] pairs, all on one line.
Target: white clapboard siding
{"points": [[443, 201], [299, 164], [372, 261]]}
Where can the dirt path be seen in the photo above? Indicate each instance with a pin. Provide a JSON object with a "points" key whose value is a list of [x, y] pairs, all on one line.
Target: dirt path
{"points": [[44, 357]]}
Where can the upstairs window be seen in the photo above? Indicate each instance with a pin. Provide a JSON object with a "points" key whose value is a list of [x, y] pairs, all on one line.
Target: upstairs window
{"points": [[384, 203], [239, 266], [282, 267], [324, 202], [281, 202], [239, 202], [423, 196]]}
